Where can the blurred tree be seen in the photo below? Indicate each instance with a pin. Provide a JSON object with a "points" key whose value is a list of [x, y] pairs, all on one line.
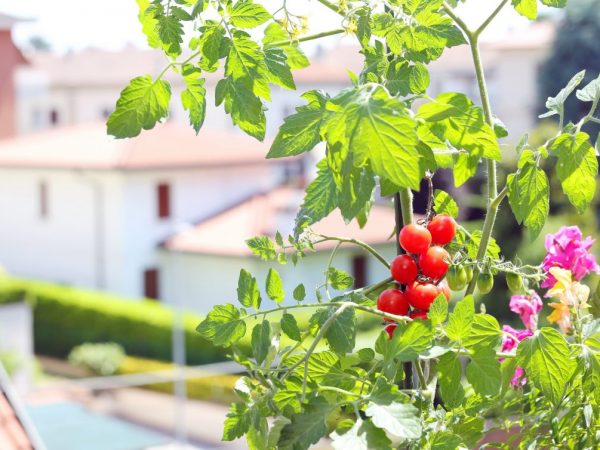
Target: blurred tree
{"points": [[575, 48]]}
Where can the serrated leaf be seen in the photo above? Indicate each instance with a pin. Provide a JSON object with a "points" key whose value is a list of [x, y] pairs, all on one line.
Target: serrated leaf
{"points": [[376, 129], [170, 32], [493, 249], [279, 70], [454, 118], [555, 105], [245, 14], [274, 286], [485, 332], [320, 199], [290, 327], [461, 319], [443, 203], [246, 62], [356, 193], [404, 78], [362, 436], [210, 43], [483, 372], [366, 354], [305, 428], [438, 311], [398, 419], [547, 362], [223, 325], [262, 246], [590, 92], [449, 377], [299, 293], [301, 131], [341, 335], [193, 98], [141, 105], [527, 8], [577, 168], [261, 340], [338, 279], [245, 108], [236, 423], [247, 290], [275, 431], [149, 23], [528, 196], [275, 33], [408, 341]]}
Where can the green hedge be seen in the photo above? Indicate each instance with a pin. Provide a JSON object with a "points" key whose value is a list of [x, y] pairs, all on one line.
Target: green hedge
{"points": [[65, 317]]}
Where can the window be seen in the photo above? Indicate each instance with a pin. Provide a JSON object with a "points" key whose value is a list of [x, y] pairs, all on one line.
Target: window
{"points": [[163, 197], [43, 199], [359, 271], [151, 283], [54, 117]]}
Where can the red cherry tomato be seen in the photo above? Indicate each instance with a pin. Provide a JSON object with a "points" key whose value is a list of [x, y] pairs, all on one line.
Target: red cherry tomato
{"points": [[442, 229], [389, 329], [404, 269], [392, 301], [435, 262], [421, 295], [415, 238], [419, 315]]}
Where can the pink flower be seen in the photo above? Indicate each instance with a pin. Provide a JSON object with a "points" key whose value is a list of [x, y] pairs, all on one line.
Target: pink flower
{"points": [[567, 250], [508, 344], [527, 306]]}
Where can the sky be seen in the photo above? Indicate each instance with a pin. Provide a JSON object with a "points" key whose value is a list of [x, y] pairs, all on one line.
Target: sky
{"points": [[112, 24]]}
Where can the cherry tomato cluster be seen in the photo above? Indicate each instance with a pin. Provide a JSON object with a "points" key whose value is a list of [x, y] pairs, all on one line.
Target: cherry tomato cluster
{"points": [[421, 271]]}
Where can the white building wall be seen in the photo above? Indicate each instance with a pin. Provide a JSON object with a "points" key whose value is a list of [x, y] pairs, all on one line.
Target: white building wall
{"points": [[199, 282]]}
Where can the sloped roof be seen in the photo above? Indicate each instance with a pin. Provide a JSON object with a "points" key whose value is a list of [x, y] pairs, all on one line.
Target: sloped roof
{"points": [[264, 214], [167, 146]]}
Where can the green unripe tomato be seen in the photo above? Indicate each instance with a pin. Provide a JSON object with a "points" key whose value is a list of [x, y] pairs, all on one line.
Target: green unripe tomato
{"points": [[456, 278], [514, 282], [469, 272], [485, 282]]}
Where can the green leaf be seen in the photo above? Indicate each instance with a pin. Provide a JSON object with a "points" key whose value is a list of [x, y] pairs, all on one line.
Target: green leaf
{"points": [[141, 104], [547, 362], [483, 372], [149, 23], [461, 319], [261, 340], [528, 195], [246, 62], [404, 79], [279, 70], [384, 393], [262, 246], [321, 197], [590, 92], [356, 192], [341, 335], [274, 286], [527, 8], [245, 108], [454, 118], [398, 419], [246, 14], [556, 104], [237, 422], [306, 428], [193, 98], [409, 341], [438, 311], [485, 332], [443, 203], [338, 279], [470, 429], [223, 325], [449, 376], [577, 168], [444, 440], [366, 354], [493, 250], [275, 33], [301, 131], [247, 290], [362, 436], [275, 431], [290, 327], [375, 128], [170, 32], [210, 42], [299, 293]]}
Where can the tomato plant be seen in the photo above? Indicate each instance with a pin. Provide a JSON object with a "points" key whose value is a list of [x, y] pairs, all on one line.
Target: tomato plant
{"points": [[430, 377]]}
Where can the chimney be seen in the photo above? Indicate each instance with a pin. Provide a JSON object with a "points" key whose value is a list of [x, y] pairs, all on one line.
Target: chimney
{"points": [[10, 58]]}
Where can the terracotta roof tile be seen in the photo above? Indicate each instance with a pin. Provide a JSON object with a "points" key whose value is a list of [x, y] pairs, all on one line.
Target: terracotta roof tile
{"points": [[168, 145], [264, 214]]}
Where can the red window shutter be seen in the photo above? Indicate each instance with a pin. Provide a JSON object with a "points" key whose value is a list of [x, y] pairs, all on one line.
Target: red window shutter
{"points": [[164, 200], [151, 283], [359, 271]]}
